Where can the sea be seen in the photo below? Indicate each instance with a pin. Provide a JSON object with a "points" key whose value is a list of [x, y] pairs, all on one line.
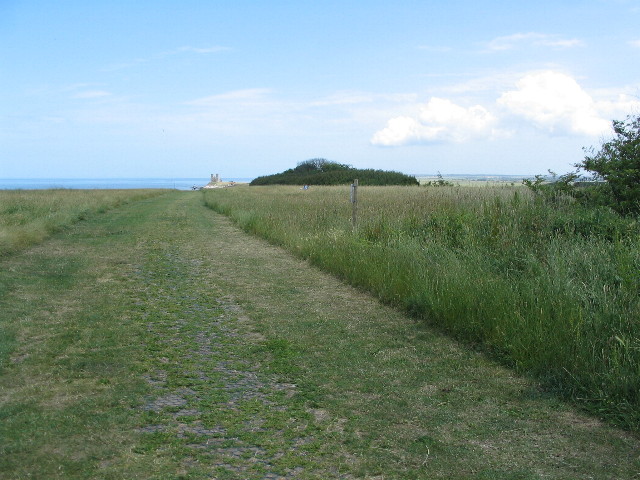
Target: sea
{"points": [[107, 183]]}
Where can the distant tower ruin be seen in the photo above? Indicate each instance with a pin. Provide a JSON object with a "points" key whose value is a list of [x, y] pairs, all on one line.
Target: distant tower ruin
{"points": [[215, 178]]}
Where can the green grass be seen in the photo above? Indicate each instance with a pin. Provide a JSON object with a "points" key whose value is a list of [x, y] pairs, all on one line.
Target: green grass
{"points": [[549, 290], [28, 217], [159, 341]]}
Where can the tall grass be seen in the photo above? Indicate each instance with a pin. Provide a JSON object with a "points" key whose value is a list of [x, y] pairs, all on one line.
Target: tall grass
{"points": [[29, 216], [551, 290]]}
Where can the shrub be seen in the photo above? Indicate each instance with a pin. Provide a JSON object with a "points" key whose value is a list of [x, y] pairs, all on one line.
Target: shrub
{"points": [[613, 174], [617, 163]]}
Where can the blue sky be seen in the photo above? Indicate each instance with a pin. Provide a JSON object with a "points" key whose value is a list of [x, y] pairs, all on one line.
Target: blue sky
{"points": [[246, 88]]}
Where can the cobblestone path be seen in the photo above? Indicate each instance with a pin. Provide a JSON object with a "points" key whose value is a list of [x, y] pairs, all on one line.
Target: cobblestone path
{"points": [[210, 401]]}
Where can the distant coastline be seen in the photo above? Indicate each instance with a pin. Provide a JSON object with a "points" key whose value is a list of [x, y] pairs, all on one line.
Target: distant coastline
{"points": [[106, 183]]}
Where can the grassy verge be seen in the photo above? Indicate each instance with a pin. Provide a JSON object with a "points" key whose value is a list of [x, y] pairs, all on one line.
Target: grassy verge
{"points": [[551, 291], [29, 216], [159, 341]]}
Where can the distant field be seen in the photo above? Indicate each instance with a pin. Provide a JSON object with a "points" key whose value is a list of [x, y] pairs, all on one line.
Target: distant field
{"points": [[29, 216], [476, 180], [551, 290]]}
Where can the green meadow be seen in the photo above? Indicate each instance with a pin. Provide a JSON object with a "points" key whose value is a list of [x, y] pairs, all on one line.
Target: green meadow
{"points": [[29, 216], [145, 336], [550, 289]]}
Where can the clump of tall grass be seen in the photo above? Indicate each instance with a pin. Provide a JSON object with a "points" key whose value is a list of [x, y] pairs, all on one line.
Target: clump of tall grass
{"points": [[551, 290], [29, 216]]}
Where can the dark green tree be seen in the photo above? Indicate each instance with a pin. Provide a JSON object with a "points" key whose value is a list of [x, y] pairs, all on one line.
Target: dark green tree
{"points": [[319, 165], [318, 171]]}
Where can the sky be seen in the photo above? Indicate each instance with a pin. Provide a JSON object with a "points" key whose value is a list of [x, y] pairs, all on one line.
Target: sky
{"points": [[120, 89]]}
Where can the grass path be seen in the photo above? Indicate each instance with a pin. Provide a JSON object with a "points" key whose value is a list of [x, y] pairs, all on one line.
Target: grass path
{"points": [[159, 341]]}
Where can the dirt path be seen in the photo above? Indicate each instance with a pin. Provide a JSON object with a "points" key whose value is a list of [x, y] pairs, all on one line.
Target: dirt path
{"points": [[172, 345]]}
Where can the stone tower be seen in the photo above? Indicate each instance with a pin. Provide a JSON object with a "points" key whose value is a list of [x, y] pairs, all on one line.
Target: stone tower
{"points": [[215, 178]]}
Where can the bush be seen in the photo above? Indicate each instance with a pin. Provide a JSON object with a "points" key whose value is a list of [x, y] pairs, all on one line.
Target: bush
{"points": [[617, 164], [613, 174], [439, 182]]}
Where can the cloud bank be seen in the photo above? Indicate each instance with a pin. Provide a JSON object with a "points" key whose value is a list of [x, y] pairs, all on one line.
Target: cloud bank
{"points": [[440, 120], [550, 102]]}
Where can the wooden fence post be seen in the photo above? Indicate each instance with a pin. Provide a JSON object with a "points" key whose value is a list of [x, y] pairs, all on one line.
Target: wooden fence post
{"points": [[354, 203]]}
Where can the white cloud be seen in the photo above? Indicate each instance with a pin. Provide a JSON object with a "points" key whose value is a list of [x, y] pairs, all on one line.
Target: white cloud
{"points": [[620, 106], [213, 49], [435, 48], [354, 98], [438, 120], [92, 94], [556, 103], [245, 96], [635, 43], [343, 98], [488, 83], [124, 65], [402, 131], [164, 55], [510, 42]]}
